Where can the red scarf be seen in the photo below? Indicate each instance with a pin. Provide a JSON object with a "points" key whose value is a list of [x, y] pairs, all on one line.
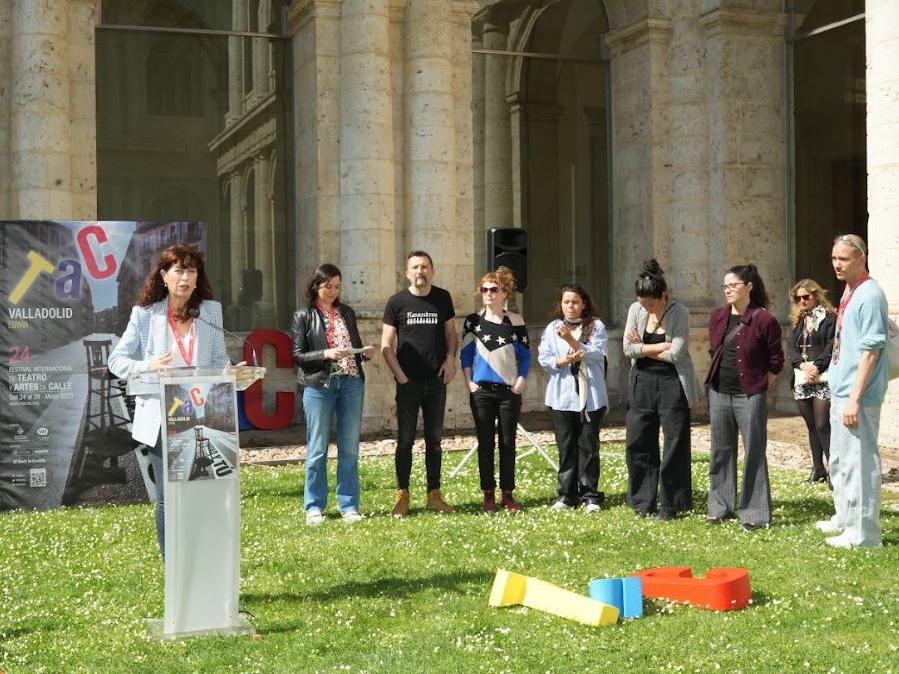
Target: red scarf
{"points": [[844, 302]]}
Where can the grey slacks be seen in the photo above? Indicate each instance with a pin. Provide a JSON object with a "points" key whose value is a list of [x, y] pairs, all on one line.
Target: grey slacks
{"points": [[729, 414]]}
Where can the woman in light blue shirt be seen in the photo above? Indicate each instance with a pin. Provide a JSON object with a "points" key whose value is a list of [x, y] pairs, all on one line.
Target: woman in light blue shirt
{"points": [[572, 351]]}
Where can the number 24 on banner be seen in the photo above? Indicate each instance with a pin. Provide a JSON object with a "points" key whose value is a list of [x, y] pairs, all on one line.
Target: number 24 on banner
{"points": [[19, 354]]}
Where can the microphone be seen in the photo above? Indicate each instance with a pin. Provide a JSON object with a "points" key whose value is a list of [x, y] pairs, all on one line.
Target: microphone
{"points": [[195, 313]]}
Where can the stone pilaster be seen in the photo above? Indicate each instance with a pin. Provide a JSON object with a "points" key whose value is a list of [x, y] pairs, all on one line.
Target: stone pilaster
{"points": [[366, 154], [498, 195], [882, 80], [52, 109], [747, 218], [430, 172], [640, 97], [315, 26], [5, 107]]}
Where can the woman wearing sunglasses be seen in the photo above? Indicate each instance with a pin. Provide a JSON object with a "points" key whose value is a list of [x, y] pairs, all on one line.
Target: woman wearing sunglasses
{"points": [[495, 361], [744, 342], [810, 345]]}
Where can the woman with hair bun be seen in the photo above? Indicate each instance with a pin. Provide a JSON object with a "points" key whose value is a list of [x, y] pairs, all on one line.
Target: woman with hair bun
{"points": [[744, 343], [661, 389], [496, 359]]}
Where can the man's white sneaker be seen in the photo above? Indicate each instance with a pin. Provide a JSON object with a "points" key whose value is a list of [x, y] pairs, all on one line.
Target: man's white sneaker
{"points": [[558, 506], [828, 526], [592, 508], [314, 517], [351, 516], [840, 541]]}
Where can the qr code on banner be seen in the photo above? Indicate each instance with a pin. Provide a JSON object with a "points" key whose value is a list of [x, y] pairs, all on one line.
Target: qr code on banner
{"points": [[38, 477]]}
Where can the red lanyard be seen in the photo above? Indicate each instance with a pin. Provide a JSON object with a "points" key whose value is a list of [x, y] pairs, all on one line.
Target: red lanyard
{"points": [[331, 314], [844, 302], [186, 354]]}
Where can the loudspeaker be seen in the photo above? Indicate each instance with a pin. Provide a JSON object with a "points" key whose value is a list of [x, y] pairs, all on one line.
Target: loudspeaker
{"points": [[508, 247], [250, 286]]}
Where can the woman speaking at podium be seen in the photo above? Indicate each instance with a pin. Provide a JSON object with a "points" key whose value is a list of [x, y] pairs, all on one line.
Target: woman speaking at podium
{"points": [[162, 333]]}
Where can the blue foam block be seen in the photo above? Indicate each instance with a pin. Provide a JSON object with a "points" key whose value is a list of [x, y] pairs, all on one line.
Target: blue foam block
{"points": [[625, 594]]}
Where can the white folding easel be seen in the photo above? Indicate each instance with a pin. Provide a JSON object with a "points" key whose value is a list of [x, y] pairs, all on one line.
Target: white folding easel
{"points": [[521, 430]]}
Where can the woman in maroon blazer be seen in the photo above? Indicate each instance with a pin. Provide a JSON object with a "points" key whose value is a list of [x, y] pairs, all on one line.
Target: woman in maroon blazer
{"points": [[745, 345]]}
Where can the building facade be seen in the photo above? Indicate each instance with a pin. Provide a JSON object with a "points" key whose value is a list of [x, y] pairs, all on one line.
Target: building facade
{"points": [[705, 133]]}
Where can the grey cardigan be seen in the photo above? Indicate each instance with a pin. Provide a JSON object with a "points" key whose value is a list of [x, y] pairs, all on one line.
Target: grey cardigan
{"points": [[677, 334]]}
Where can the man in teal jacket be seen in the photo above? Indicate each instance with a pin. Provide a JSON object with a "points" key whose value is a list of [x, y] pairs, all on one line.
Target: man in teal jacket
{"points": [[858, 383]]}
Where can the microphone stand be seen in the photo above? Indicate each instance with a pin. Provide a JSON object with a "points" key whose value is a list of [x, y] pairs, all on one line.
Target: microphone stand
{"points": [[195, 313]]}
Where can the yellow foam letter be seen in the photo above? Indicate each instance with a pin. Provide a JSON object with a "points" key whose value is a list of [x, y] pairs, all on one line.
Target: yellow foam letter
{"points": [[38, 264]]}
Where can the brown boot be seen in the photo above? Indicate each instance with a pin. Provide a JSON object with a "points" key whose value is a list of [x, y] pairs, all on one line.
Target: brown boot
{"points": [[401, 503], [436, 502]]}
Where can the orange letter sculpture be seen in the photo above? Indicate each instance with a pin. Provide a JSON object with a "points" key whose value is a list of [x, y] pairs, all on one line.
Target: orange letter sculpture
{"points": [[725, 589]]}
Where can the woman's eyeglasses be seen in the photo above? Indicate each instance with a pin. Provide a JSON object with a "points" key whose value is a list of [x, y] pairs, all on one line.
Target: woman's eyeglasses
{"points": [[731, 286], [489, 289], [801, 298]]}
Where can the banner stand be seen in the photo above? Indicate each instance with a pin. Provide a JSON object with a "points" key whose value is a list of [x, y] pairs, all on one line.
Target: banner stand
{"points": [[200, 450]]}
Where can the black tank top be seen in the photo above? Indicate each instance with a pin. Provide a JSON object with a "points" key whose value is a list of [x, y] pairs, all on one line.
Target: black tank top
{"points": [[648, 364]]}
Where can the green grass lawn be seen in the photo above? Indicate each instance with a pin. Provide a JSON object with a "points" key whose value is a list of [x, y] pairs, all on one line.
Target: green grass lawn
{"points": [[410, 595]]}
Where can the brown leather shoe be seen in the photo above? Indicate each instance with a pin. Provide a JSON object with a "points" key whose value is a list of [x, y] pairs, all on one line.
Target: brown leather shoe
{"points": [[436, 502], [401, 503]]}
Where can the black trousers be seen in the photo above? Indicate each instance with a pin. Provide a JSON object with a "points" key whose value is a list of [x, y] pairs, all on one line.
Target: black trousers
{"points": [[658, 399], [578, 441], [489, 404], [429, 395]]}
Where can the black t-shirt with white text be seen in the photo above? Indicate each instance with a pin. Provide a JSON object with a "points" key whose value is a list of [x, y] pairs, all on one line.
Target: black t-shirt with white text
{"points": [[419, 322]]}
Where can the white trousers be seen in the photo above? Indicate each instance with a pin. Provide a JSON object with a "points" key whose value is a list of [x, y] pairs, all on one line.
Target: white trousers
{"points": [[856, 474]]}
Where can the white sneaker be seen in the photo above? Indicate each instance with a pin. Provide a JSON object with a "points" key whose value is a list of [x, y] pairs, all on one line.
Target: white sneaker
{"points": [[351, 516], [840, 541], [828, 526], [558, 506], [592, 508], [314, 517]]}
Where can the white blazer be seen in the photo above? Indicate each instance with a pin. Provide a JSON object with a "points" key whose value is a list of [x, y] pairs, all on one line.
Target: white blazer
{"points": [[146, 338]]}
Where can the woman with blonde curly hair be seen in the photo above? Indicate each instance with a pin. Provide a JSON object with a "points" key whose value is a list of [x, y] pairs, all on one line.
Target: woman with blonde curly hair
{"points": [[495, 361], [813, 320]]}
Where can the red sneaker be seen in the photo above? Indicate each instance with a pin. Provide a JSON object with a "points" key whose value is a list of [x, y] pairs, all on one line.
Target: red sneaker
{"points": [[489, 501], [508, 503]]}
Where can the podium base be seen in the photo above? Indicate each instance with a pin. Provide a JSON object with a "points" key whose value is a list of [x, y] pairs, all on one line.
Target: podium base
{"points": [[243, 628]]}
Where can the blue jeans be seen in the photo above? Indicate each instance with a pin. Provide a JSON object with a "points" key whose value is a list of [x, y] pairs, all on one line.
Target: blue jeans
{"points": [[342, 395]]}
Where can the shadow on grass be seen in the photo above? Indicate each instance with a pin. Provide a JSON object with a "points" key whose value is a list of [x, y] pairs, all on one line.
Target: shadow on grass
{"points": [[392, 587]]}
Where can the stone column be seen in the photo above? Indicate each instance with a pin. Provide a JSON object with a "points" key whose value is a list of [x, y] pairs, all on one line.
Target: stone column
{"points": [[264, 238], [366, 154], [497, 133], [463, 88], [41, 106], [640, 90], [315, 26], [430, 179], [397, 9], [235, 70], [238, 234], [882, 82], [747, 215], [477, 117]]}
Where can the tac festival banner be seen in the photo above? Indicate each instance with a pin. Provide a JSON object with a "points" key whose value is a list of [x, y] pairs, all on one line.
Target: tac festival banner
{"points": [[67, 288]]}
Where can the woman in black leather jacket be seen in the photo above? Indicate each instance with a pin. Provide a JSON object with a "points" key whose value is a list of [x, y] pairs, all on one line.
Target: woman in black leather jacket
{"points": [[809, 346], [329, 353]]}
